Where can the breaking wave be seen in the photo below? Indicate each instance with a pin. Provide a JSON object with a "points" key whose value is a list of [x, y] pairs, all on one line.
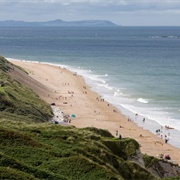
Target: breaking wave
{"points": [[141, 100]]}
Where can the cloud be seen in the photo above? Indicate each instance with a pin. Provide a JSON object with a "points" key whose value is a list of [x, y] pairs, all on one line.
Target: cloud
{"points": [[122, 4], [114, 10]]}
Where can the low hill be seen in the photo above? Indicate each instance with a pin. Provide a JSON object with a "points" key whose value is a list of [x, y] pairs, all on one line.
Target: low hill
{"points": [[60, 23], [33, 148]]}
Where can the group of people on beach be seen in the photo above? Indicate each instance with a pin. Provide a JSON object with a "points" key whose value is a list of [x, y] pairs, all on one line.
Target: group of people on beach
{"points": [[165, 156], [159, 132]]}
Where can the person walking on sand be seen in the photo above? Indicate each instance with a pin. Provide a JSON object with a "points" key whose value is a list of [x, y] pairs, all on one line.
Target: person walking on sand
{"points": [[116, 132], [166, 139]]}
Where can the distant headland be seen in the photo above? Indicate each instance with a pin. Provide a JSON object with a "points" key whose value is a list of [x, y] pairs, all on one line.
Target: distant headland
{"points": [[59, 23]]}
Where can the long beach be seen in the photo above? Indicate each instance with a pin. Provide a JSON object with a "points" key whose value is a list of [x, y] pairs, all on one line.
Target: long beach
{"points": [[72, 95]]}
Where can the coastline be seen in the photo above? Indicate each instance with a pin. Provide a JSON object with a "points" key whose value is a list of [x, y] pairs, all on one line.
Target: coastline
{"points": [[70, 93]]}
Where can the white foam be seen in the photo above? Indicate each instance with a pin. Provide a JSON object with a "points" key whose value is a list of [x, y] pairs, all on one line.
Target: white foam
{"points": [[105, 86], [12, 59], [29, 61], [118, 94], [79, 67], [141, 100], [155, 37], [92, 77], [158, 115]]}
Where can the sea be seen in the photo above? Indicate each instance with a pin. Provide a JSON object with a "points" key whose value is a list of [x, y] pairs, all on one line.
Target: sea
{"points": [[137, 69]]}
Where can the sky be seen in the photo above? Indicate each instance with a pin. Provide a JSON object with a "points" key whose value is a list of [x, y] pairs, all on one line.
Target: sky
{"points": [[121, 12]]}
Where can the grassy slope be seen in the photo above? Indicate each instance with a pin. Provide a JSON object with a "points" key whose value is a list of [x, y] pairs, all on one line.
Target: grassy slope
{"points": [[19, 101], [33, 150], [47, 151]]}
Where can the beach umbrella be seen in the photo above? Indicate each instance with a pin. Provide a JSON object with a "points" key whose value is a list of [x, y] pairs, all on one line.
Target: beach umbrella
{"points": [[73, 115]]}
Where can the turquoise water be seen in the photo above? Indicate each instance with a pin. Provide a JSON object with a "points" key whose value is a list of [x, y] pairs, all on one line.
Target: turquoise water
{"points": [[135, 68]]}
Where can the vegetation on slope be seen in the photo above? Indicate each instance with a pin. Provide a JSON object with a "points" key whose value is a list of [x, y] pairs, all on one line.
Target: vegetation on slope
{"points": [[48, 151], [18, 100]]}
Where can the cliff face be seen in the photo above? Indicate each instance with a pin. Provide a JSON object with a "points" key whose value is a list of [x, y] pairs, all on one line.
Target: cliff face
{"points": [[33, 150]]}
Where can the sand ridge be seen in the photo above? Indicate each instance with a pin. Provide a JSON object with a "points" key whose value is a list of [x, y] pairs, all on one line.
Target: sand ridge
{"points": [[73, 96]]}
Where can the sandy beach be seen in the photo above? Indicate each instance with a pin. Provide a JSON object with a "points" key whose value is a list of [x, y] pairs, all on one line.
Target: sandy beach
{"points": [[72, 95]]}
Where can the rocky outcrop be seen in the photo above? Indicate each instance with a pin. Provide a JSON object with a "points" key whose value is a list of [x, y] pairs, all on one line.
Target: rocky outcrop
{"points": [[128, 149], [161, 168], [164, 169], [138, 158]]}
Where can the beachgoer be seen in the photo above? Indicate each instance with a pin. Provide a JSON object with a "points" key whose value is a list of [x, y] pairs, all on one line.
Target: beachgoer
{"points": [[120, 137], [158, 131], [166, 156], [166, 139], [161, 155], [116, 132], [136, 116]]}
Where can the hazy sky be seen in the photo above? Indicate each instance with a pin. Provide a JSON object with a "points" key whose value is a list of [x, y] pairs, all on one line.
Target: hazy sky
{"points": [[122, 12]]}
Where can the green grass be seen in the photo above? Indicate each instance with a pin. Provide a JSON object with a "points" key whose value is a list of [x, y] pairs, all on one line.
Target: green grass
{"points": [[19, 100], [63, 151]]}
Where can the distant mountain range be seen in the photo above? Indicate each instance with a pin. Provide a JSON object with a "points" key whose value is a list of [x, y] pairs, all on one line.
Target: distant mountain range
{"points": [[58, 22]]}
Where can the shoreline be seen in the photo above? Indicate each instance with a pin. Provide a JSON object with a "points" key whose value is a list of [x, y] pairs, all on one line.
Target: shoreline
{"points": [[150, 125], [70, 93]]}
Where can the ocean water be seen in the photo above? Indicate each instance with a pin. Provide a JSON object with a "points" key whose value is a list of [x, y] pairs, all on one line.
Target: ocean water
{"points": [[137, 69]]}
